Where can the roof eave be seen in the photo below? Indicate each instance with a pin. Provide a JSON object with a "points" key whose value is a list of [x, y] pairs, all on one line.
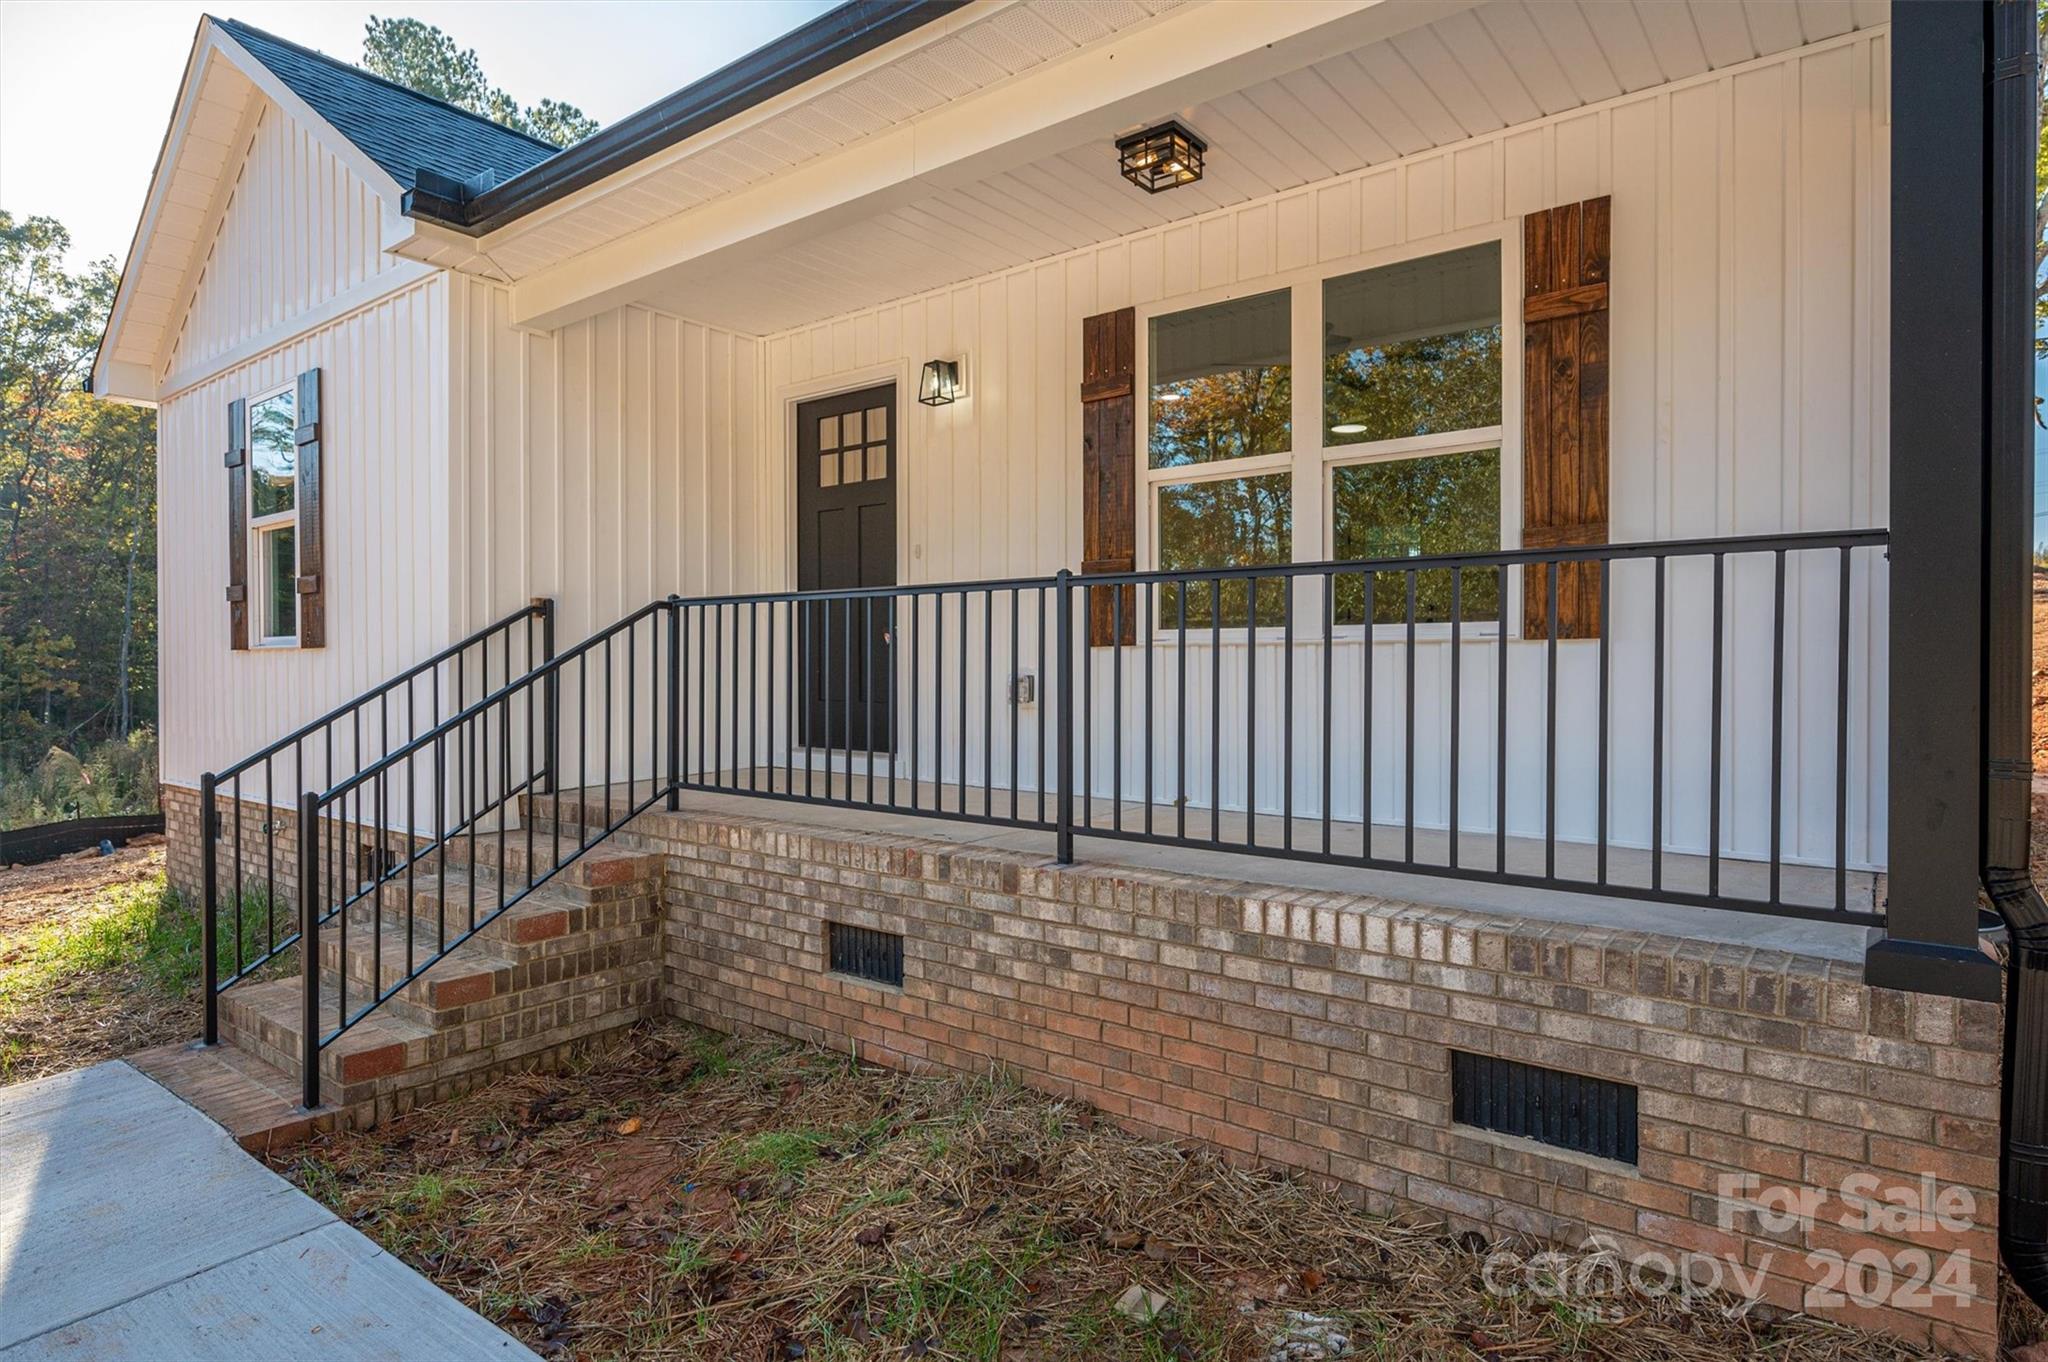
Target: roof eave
{"points": [[831, 40]]}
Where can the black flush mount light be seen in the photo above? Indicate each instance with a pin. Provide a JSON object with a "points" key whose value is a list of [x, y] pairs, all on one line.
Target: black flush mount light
{"points": [[1161, 158], [941, 382]]}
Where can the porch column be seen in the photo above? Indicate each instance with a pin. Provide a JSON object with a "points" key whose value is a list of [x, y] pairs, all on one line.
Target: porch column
{"points": [[1940, 429]]}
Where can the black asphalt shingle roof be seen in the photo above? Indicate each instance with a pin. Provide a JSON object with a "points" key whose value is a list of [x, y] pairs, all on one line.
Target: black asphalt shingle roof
{"points": [[401, 130]]}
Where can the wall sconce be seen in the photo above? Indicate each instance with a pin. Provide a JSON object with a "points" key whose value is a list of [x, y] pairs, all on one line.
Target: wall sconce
{"points": [[943, 382], [1161, 158]]}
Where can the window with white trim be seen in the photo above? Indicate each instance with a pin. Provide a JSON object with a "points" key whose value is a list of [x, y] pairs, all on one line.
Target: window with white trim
{"points": [[1405, 456], [274, 517]]}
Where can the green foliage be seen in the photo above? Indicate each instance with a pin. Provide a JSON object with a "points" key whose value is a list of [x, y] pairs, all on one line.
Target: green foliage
{"points": [[113, 777], [77, 511], [137, 937], [421, 57]]}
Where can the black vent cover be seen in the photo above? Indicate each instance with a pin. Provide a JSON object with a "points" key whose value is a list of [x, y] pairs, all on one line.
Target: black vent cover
{"points": [[866, 953], [1590, 1115]]}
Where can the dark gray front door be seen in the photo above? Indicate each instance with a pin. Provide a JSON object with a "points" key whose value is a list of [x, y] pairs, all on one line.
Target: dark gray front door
{"points": [[846, 537]]}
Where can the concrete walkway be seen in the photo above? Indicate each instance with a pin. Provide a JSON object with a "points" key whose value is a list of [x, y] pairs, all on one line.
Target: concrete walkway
{"points": [[132, 1227]]}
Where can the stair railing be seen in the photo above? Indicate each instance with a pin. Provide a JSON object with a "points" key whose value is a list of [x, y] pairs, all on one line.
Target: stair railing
{"points": [[419, 695], [594, 716]]}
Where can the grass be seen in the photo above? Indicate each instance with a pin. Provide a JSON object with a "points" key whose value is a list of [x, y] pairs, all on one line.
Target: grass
{"points": [[123, 974]]}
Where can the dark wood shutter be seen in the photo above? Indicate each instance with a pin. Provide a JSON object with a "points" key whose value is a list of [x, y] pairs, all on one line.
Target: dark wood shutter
{"points": [[312, 539], [238, 523], [1564, 409], [1109, 433]]}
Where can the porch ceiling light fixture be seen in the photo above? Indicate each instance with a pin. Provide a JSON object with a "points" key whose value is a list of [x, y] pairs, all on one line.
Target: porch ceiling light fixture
{"points": [[1161, 158], [940, 384]]}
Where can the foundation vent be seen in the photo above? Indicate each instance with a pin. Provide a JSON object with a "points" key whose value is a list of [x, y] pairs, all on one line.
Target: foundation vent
{"points": [[1571, 1111], [864, 953]]}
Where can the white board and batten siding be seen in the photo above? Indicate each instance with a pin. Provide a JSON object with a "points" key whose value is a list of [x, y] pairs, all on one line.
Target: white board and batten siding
{"points": [[294, 279], [1749, 391]]}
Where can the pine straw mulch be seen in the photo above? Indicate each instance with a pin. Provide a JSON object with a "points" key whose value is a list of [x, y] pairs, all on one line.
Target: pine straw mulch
{"points": [[685, 1195]]}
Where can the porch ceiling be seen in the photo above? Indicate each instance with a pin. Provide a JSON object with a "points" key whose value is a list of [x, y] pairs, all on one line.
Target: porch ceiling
{"points": [[1467, 74], [1409, 78]]}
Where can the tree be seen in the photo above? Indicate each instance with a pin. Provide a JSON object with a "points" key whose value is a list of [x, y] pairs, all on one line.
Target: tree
{"points": [[421, 57], [77, 511]]}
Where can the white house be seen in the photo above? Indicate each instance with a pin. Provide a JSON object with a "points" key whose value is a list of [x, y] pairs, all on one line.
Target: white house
{"points": [[1580, 321]]}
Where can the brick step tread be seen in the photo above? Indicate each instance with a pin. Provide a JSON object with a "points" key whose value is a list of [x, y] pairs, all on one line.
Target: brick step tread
{"points": [[255, 1101], [381, 1043], [540, 914], [603, 865], [482, 956]]}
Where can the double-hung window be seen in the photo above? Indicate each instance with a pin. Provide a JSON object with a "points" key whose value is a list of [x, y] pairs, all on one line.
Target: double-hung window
{"points": [[274, 516], [1220, 384], [1406, 457]]}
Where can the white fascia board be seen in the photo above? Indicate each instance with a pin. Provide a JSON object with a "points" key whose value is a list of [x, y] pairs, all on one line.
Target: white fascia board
{"points": [[117, 379], [1185, 57]]}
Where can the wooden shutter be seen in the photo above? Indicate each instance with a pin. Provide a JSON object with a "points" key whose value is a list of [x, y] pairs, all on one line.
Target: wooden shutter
{"points": [[1109, 433], [237, 460], [312, 540], [1564, 409]]}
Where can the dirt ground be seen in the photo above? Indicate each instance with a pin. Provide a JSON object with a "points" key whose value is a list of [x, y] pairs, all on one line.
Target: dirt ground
{"points": [[110, 979], [689, 1196]]}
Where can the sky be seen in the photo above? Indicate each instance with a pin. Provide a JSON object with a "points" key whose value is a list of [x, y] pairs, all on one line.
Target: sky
{"points": [[86, 86]]}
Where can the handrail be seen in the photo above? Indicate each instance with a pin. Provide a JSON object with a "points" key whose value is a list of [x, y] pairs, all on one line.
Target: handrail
{"points": [[536, 609], [455, 721], [370, 709]]}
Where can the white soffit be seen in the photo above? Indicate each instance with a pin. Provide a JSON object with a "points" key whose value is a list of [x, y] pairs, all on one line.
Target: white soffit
{"points": [[207, 147], [1468, 71]]}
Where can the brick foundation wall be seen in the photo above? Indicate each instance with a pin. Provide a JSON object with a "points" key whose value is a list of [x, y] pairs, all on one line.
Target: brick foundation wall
{"points": [[1314, 1031], [267, 859]]}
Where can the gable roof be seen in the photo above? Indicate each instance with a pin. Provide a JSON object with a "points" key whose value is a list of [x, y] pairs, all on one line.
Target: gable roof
{"points": [[403, 131]]}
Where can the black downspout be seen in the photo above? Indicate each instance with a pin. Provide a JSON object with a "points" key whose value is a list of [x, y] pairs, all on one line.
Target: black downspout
{"points": [[2010, 138]]}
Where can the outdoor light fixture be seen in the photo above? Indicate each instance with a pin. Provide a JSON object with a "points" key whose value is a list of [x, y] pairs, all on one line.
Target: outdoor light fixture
{"points": [[1161, 158], [941, 382]]}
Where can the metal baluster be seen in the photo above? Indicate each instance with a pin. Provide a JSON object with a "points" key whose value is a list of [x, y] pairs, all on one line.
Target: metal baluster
{"points": [[1116, 708], [1327, 585], [1287, 712], [1777, 723], [916, 709], [1063, 611], [988, 693], [1500, 739], [1457, 698], [1552, 571], [1657, 734], [1180, 651], [1714, 761], [209, 921], [1842, 735], [1251, 711], [963, 701], [1145, 628], [1606, 628], [1368, 584], [1216, 710], [1016, 607], [1408, 739]]}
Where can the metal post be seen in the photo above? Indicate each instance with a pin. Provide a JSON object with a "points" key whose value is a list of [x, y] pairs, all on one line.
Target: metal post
{"points": [[209, 941], [550, 698], [309, 946], [675, 703], [1938, 435], [1063, 627]]}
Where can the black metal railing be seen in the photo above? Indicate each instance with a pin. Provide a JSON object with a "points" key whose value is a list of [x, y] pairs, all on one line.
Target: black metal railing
{"points": [[1697, 722], [443, 810], [241, 815]]}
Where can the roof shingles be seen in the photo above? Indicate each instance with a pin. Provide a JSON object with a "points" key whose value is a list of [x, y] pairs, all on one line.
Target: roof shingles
{"points": [[402, 130]]}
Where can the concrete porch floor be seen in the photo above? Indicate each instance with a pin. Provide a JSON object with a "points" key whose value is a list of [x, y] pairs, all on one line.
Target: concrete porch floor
{"points": [[1626, 866], [131, 1227]]}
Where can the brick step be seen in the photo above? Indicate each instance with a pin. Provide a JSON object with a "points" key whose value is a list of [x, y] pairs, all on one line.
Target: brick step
{"points": [[605, 865], [471, 973], [255, 1102], [539, 915], [263, 1020]]}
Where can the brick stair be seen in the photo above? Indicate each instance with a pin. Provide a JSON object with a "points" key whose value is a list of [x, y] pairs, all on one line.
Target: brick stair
{"points": [[575, 958]]}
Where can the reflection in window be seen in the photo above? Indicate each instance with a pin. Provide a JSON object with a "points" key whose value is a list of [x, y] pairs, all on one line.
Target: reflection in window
{"points": [[273, 455], [1413, 348], [1225, 522], [1403, 508], [280, 583], [1221, 382]]}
